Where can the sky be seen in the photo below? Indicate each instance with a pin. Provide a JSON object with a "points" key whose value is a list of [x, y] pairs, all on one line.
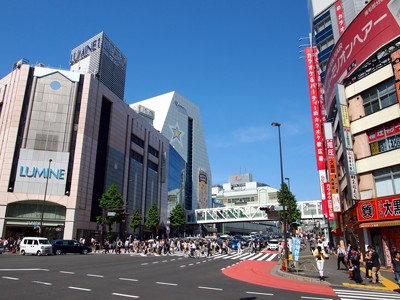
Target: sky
{"points": [[237, 60]]}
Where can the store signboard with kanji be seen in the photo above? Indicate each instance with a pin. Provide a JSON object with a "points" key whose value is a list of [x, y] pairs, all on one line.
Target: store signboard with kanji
{"points": [[385, 208]]}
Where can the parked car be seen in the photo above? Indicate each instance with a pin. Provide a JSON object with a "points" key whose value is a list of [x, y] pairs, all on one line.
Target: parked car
{"points": [[273, 244], [35, 245], [70, 246]]}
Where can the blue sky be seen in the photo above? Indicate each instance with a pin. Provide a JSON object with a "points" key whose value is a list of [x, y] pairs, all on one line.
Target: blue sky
{"points": [[237, 60]]}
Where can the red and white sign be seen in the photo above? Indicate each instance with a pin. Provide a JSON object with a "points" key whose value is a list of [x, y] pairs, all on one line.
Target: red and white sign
{"points": [[385, 208], [340, 16], [315, 103], [387, 130], [329, 202], [372, 28]]}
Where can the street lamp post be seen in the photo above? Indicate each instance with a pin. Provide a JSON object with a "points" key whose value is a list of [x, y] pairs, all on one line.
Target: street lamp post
{"points": [[44, 199], [288, 181], [276, 124]]}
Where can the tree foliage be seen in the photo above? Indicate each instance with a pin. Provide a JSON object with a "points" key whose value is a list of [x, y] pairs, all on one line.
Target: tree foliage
{"points": [[177, 217], [111, 201], [153, 218], [291, 211], [136, 219]]}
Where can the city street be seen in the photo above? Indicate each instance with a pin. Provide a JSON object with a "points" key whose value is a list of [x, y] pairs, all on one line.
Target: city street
{"points": [[110, 276]]}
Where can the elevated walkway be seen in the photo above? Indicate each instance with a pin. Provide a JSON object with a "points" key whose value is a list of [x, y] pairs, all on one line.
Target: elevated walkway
{"points": [[245, 213]]}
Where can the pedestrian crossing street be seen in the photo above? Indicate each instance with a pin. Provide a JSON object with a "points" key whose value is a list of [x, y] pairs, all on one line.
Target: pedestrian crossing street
{"points": [[247, 256], [349, 294]]}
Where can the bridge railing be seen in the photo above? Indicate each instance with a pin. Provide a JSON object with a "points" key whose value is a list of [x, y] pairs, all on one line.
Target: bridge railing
{"points": [[232, 214]]}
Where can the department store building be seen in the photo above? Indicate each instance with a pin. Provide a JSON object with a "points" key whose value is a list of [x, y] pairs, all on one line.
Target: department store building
{"points": [[67, 135]]}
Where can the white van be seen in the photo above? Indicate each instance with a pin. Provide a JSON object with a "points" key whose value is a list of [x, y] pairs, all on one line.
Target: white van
{"points": [[35, 245]]}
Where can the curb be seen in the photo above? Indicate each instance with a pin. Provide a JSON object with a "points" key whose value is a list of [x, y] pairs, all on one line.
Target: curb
{"points": [[277, 272]]}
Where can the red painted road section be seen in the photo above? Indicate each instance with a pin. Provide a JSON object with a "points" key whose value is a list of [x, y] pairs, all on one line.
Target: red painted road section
{"points": [[259, 272]]}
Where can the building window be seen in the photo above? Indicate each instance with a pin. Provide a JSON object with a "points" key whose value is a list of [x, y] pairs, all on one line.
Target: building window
{"points": [[153, 151], [379, 96], [137, 140], [387, 181], [385, 137], [325, 23], [326, 43]]}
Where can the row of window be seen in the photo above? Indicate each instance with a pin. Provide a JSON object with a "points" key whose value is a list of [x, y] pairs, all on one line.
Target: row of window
{"points": [[138, 141], [387, 181], [379, 96]]}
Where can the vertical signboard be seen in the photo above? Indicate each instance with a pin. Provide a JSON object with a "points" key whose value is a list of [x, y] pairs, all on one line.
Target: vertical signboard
{"points": [[317, 115], [346, 137], [203, 190], [340, 16], [332, 167]]}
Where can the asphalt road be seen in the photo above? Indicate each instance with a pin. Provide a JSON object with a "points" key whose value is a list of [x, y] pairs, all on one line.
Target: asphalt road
{"points": [[101, 276]]}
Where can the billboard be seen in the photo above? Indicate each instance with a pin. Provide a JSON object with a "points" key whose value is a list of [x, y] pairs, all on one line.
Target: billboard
{"points": [[374, 26], [36, 172]]}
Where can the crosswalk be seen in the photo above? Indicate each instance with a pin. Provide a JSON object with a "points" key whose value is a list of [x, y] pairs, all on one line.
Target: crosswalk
{"points": [[349, 294], [247, 256]]}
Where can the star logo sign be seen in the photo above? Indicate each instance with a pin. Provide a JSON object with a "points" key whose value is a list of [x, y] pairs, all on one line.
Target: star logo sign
{"points": [[177, 134]]}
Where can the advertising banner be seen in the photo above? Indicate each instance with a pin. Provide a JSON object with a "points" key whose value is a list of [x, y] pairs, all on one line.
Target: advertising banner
{"points": [[296, 242], [340, 16], [373, 27], [385, 208]]}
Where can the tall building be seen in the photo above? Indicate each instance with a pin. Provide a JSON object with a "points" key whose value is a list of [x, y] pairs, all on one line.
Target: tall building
{"points": [[358, 105], [178, 119], [100, 57], [66, 136]]}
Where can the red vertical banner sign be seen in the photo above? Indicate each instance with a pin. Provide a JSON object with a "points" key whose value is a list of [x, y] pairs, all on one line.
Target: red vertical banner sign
{"points": [[318, 117], [340, 16]]}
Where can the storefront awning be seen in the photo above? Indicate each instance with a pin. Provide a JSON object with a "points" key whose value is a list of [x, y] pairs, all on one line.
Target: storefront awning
{"points": [[380, 224]]}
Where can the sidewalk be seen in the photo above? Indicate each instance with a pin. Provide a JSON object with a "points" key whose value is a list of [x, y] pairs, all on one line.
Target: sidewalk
{"points": [[336, 277]]}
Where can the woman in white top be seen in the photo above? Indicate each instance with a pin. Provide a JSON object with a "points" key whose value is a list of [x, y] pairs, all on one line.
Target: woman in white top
{"points": [[319, 255]]}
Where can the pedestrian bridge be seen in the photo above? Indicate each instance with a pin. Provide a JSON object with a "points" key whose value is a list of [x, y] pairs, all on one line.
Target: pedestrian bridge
{"points": [[246, 213]]}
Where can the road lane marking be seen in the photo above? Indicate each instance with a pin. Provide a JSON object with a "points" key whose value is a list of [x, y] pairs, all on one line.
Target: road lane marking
{"points": [[94, 275], [125, 295], [272, 257], [11, 278], [80, 289], [166, 283], [35, 269], [209, 288], [143, 264], [257, 293], [128, 279], [314, 298], [67, 272], [41, 282]]}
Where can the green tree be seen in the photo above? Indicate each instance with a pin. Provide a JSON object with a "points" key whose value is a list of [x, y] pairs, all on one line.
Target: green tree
{"points": [[136, 220], [291, 211], [177, 218], [111, 201], [153, 218]]}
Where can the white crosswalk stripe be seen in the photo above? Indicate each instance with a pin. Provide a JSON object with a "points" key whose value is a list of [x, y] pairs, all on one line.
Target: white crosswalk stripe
{"points": [[350, 294], [246, 256], [256, 256]]}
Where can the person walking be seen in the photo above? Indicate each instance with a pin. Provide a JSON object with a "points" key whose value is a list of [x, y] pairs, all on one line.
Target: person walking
{"points": [[368, 262], [341, 254], [320, 255], [396, 267], [355, 259], [376, 265]]}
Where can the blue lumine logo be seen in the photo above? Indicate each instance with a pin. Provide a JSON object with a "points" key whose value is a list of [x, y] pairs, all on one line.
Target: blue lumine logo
{"points": [[35, 172]]}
